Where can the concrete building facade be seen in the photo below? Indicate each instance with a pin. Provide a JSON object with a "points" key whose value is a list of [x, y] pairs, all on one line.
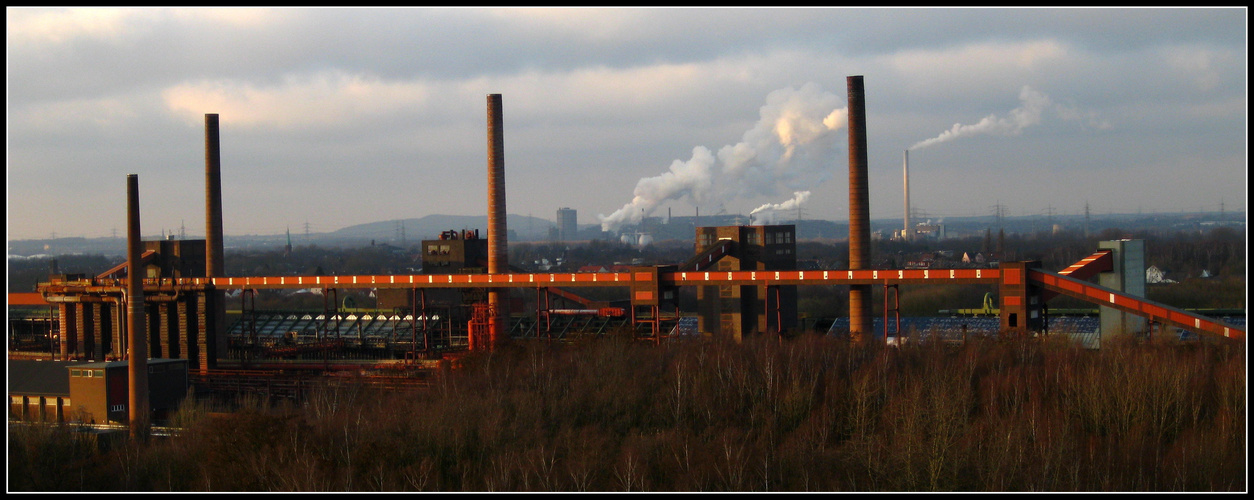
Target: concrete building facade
{"points": [[567, 224]]}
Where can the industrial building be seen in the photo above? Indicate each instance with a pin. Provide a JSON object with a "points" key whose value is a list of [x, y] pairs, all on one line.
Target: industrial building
{"points": [[91, 326], [737, 310], [91, 393]]}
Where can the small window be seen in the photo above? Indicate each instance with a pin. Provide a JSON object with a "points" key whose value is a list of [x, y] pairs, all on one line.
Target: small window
{"points": [[76, 373], [98, 373]]}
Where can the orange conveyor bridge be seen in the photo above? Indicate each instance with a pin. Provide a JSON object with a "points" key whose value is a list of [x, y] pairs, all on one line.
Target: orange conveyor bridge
{"points": [[1021, 284]]}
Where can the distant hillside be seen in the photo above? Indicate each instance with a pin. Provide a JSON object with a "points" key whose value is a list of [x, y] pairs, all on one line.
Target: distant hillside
{"points": [[525, 228], [430, 227]]}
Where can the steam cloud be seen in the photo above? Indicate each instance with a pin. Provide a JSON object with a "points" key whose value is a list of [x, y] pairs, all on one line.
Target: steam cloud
{"points": [[765, 214], [1024, 116], [789, 148]]}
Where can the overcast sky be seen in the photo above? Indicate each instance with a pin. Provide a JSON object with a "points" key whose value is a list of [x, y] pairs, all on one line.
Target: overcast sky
{"points": [[335, 117]]}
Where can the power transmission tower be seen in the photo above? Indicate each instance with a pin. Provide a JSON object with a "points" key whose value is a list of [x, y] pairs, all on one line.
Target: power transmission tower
{"points": [[999, 211], [1086, 219]]}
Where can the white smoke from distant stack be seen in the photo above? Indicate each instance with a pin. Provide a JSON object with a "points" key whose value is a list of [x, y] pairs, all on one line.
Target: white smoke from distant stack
{"points": [[1024, 116], [769, 213], [790, 147]]}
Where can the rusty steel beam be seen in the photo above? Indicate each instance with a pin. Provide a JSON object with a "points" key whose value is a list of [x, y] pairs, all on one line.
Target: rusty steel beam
{"points": [[1156, 312], [27, 299], [1100, 261], [574, 280]]}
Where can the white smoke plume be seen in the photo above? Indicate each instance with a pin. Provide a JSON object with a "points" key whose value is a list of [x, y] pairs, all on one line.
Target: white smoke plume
{"points": [[790, 147], [1024, 116], [766, 214]]}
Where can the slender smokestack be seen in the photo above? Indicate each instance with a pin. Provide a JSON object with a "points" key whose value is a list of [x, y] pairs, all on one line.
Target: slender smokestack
{"points": [[906, 233], [214, 339], [498, 245], [859, 211], [136, 326], [214, 262]]}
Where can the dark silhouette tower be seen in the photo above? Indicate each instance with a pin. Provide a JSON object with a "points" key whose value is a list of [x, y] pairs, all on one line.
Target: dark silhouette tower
{"points": [[859, 212], [136, 324], [498, 257]]}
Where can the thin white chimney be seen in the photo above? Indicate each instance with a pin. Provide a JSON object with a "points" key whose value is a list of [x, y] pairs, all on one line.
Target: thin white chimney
{"points": [[905, 175]]}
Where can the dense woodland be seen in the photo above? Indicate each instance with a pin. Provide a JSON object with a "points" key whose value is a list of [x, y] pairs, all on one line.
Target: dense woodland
{"points": [[809, 413]]}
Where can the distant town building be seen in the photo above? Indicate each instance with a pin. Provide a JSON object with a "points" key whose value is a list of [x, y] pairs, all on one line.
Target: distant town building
{"points": [[567, 224], [1155, 275]]}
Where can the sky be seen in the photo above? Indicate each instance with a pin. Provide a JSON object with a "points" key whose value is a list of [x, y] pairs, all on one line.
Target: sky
{"points": [[332, 117]]}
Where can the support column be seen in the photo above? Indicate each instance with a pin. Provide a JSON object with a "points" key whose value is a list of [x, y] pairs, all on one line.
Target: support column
{"points": [[204, 316], [1127, 275], [68, 322], [104, 329], [1020, 300], [154, 321], [85, 328], [189, 317], [171, 335]]}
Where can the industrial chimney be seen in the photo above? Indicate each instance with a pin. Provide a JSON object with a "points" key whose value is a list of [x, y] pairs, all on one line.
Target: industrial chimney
{"points": [[215, 300], [859, 212], [498, 246], [136, 324], [213, 199], [906, 233]]}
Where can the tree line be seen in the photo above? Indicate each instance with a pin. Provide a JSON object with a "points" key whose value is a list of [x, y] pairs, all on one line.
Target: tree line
{"points": [[810, 413]]}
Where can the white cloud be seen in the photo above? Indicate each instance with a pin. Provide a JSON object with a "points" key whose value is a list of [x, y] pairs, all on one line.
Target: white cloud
{"points": [[27, 26], [332, 99], [977, 67], [62, 25], [1199, 66]]}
